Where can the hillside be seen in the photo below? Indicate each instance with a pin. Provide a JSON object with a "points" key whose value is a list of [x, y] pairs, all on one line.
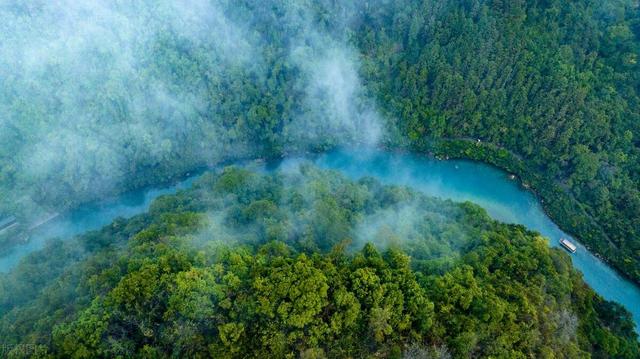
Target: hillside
{"points": [[306, 263], [549, 88], [99, 98]]}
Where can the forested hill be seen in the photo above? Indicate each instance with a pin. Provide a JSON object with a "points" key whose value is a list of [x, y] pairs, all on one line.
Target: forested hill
{"points": [[102, 97], [550, 86], [308, 264]]}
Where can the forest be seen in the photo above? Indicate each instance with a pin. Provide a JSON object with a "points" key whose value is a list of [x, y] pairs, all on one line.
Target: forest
{"points": [[306, 263], [98, 98], [105, 97], [550, 88]]}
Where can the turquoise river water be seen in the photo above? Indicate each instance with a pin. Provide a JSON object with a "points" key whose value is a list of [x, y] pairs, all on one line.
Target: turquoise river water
{"points": [[503, 198]]}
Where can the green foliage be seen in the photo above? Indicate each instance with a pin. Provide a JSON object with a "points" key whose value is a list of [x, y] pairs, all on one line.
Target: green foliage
{"points": [[551, 88], [169, 285]]}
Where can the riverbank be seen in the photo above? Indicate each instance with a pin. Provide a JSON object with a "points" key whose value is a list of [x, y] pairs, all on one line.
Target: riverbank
{"points": [[457, 180], [491, 188], [557, 202], [452, 249]]}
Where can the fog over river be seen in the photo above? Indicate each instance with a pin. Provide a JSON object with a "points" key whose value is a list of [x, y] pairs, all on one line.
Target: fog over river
{"points": [[503, 198]]}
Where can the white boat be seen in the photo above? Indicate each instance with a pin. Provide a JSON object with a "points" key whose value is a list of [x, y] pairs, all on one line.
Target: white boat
{"points": [[568, 245]]}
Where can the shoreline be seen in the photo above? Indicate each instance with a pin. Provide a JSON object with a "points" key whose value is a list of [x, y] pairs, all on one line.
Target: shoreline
{"points": [[435, 152]]}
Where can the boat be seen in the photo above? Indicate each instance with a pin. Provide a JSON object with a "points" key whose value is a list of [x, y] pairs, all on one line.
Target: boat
{"points": [[568, 245]]}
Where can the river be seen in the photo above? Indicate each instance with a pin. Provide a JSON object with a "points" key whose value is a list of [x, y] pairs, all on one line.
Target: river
{"points": [[459, 180]]}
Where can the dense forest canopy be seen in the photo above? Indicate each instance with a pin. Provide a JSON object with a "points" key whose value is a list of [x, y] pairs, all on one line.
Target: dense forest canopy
{"points": [[552, 85], [101, 97], [305, 263], [105, 96]]}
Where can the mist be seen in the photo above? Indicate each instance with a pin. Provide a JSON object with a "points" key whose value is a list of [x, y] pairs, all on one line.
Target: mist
{"points": [[104, 96], [412, 223], [318, 210]]}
